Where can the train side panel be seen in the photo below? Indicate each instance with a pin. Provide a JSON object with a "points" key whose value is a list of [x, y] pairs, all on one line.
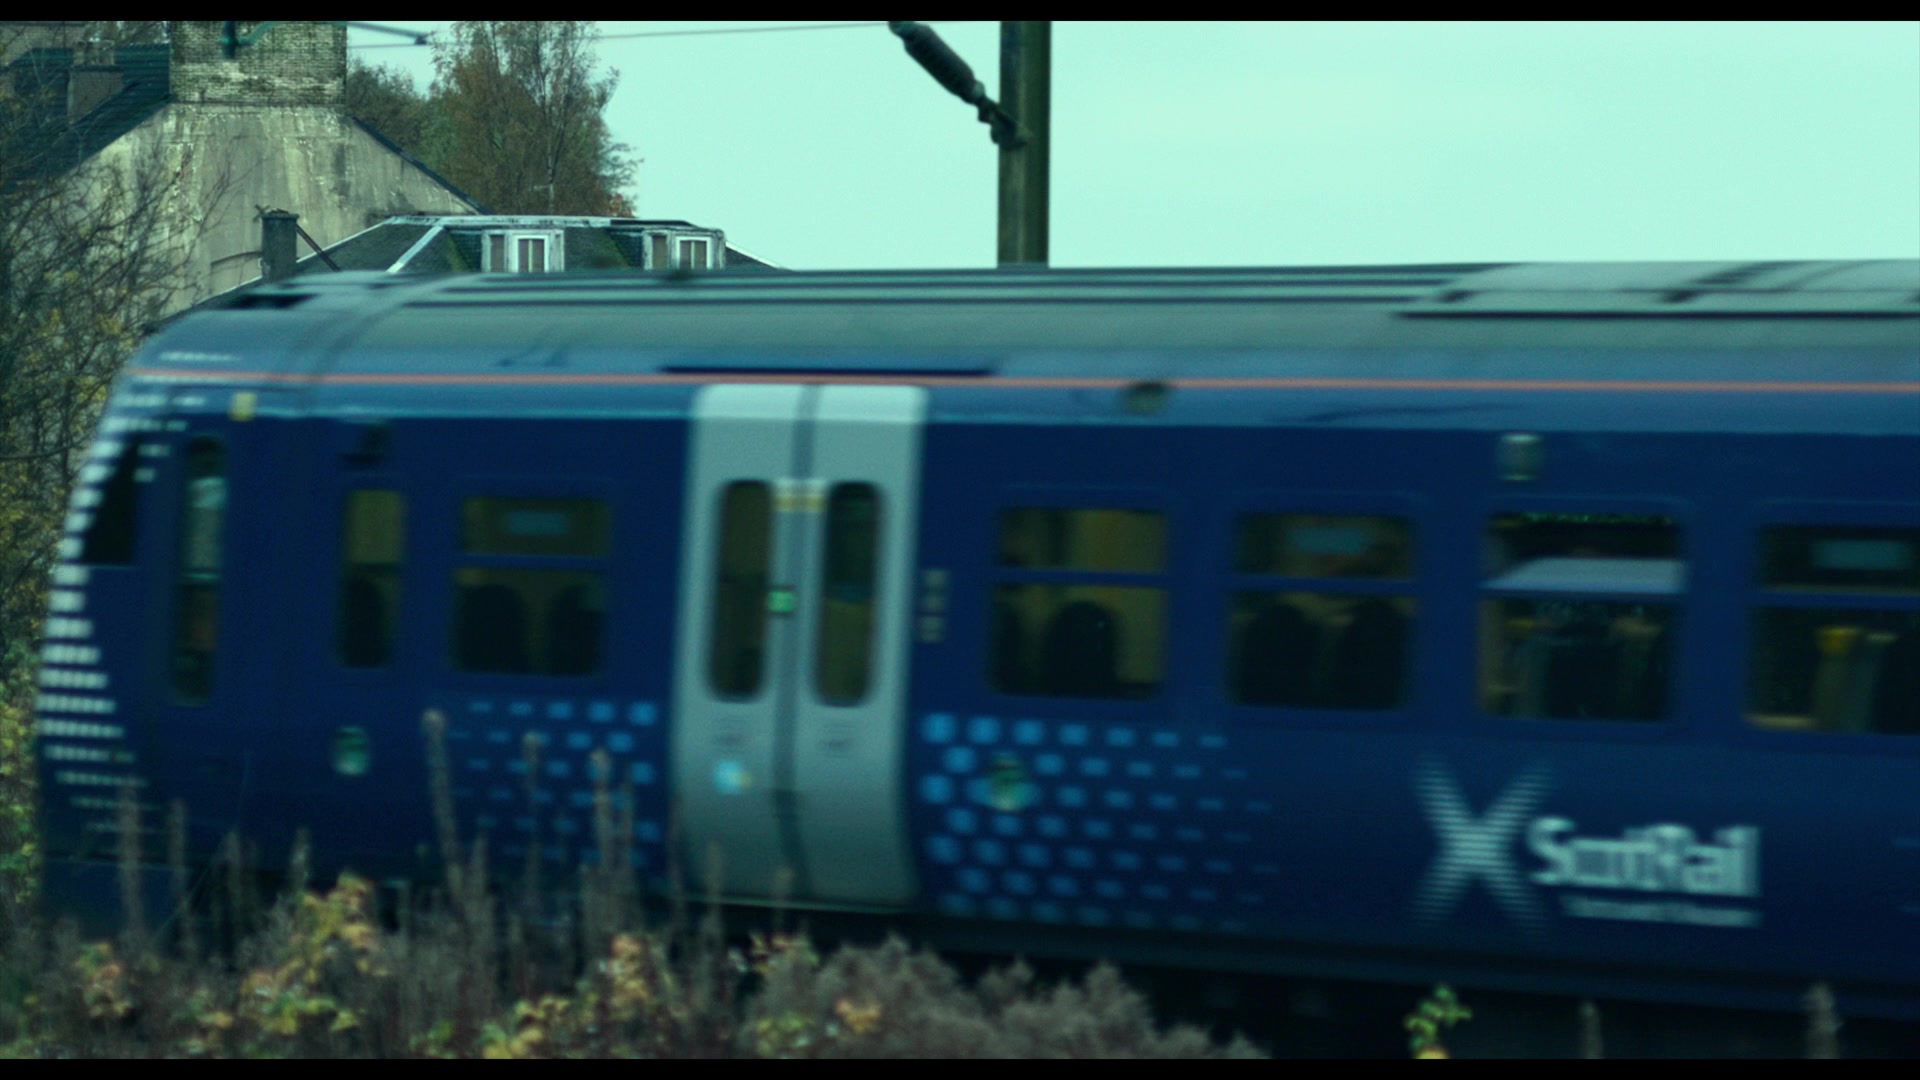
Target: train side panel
{"points": [[515, 569], [1626, 844]]}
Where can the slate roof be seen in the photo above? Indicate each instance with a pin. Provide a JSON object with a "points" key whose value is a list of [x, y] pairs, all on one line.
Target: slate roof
{"points": [[591, 244], [601, 244], [595, 249], [371, 249], [41, 76], [740, 260]]}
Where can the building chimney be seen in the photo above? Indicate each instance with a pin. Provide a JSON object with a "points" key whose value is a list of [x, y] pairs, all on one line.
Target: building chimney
{"points": [[93, 80], [259, 63], [278, 251]]}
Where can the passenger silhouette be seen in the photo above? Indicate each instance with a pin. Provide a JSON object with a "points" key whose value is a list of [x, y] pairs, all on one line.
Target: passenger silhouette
{"points": [[1081, 651]]}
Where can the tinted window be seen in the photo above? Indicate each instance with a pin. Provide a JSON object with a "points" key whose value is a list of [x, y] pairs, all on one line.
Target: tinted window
{"points": [[1829, 558], [510, 618], [742, 565], [1576, 658], [1323, 545], [1843, 670], [373, 542], [1329, 647], [110, 539], [849, 574], [518, 621], [1044, 538], [197, 606], [1319, 650], [1517, 539], [499, 526], [1584, 621], [1099, 641], [1836, 644], [1079, 639]]}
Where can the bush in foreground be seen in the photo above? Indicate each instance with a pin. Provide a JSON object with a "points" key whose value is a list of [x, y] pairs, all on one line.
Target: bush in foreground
{"points": [[324, 979]]}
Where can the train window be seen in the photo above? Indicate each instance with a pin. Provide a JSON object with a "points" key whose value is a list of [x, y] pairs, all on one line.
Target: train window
{"points": [[524, 620], [373, 542], [1580, 625], [849, 576], [743, 565], [500, 526], [197, 610], [1836, 671], [109, 539], [1046, 538], [1852, 665], [1846, 670], [1327, 648], [1311, 650], [1835, 559], [1518, 539], [1576, 659], [1322, 545], [1079, 639], [521, 621], [1092, 641]]}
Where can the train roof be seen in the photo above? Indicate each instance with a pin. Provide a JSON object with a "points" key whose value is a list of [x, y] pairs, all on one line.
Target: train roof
{"points": [[1048, 321]]}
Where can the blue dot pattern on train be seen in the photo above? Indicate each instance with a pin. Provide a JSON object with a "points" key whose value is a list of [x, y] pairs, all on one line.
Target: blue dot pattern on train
{"points": [[1120, 825], [485, 738]]}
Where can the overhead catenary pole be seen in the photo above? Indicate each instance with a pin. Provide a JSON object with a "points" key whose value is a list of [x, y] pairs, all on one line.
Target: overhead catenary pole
{"points": [[1019, 128], [1026, 77]]}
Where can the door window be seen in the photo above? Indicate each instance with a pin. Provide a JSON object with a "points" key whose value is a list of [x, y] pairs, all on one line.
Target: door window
{"points": [[850, 572], [736, 658], [197, 609]]}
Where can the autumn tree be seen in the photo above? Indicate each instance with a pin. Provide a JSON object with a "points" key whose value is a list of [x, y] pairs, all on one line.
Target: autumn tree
{"points": [[384, 98], [522, 104], [84, 269], [514, 117]]}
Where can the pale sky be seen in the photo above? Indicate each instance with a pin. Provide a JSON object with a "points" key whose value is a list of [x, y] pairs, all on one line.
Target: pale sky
{"points": [[1270, 144]]}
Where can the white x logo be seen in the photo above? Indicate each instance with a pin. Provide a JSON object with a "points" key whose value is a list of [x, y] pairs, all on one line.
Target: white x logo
{"points": [[1477, 847]]}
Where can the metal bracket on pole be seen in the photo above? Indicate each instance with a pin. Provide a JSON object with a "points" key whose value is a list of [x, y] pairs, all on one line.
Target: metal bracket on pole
{"points": [[946, 67]]}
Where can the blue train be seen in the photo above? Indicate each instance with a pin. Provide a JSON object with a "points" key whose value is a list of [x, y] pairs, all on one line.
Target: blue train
{"points": [[1548, 626]]}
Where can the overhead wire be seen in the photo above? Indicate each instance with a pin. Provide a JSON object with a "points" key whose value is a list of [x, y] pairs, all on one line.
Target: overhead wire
{"points": [[669, 33]]}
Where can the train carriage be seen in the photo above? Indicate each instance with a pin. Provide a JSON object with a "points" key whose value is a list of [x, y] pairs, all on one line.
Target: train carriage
{"points": [[1555, 626]]}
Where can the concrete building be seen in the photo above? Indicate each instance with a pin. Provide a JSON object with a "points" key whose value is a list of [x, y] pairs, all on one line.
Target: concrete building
{"points": [[243, 118]]}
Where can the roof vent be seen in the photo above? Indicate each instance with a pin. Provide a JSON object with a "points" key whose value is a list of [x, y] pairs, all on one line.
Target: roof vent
{"points": [[1740, 275], [276, 300]]}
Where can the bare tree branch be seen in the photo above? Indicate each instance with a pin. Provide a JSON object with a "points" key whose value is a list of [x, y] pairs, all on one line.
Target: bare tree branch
{"points": [[84, 267]]}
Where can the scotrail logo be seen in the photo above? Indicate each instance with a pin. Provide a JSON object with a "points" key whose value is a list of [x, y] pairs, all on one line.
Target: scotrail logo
{"points": [[1478, 848], [1661, 858]]}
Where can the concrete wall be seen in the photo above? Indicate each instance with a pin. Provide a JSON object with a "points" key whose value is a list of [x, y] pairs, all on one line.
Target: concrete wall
{"points": [[289, 63], [233, 160]]}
